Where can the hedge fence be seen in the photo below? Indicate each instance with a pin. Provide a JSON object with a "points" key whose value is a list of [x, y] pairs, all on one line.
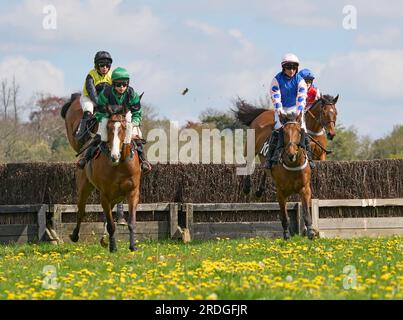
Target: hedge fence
{"points": [[54, 183]]}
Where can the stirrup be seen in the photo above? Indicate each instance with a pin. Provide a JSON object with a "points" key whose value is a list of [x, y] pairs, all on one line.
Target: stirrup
{"points": [[146, 167]]}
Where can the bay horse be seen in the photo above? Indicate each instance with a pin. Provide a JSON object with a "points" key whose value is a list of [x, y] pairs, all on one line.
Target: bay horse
{"points": [[72, 114], [322, 116], [321, 125], [292, 175], [115, 173]]}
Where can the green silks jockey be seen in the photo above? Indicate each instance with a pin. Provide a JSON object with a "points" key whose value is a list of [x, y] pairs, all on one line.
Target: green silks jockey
{"points": [[120, 93]]}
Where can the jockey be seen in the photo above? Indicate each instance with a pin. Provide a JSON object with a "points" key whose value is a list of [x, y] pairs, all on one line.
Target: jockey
{"points": [[120, 93], [313, 92], [97, 79], [288, 92]]}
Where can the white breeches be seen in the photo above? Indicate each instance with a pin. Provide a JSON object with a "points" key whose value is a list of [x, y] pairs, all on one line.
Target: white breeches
{"points": [[288, 111], [86, 104], [103, 130]]}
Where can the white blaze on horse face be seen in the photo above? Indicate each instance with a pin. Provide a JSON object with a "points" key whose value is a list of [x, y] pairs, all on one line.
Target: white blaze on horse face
{"points": [[115, 153]]}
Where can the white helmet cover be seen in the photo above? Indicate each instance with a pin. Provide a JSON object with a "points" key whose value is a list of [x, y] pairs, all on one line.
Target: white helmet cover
{"points": [[290, 58]]}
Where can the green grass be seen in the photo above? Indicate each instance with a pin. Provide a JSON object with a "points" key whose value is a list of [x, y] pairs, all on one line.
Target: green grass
{"points": [[221, 269]]}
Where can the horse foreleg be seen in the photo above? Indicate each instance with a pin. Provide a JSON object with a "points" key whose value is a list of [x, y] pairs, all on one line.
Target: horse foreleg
{"points": [[133, 200], [84, 189], [262, 185], [306, 202], [106, 205], [103, 241], [285, 220]]}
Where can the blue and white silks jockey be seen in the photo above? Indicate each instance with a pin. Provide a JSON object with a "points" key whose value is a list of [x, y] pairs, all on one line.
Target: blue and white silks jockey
{"points": [[288, 91]]}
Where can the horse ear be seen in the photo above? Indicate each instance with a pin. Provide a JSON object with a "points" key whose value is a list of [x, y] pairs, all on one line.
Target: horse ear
{"points": [[299, 118], [335, 99], [141, 95], [282, 118]]}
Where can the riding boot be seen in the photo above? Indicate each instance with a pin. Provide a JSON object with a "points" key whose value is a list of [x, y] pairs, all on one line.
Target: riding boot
{"points": [[305, 143], [273, 142], [145, 165], [279, 147], [89, 153], [82, 128]]}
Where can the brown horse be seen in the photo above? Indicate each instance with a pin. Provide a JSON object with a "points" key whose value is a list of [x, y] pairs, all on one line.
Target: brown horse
{"points": [[115, 173], [292, 175], [72, 114], [262, 121], [321, 125]]}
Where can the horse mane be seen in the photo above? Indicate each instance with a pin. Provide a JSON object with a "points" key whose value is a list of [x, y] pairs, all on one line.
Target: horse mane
{"points": [[67, 105], [245, 112]]}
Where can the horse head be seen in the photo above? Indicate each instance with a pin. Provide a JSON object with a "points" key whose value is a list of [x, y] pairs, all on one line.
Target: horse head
{"points": [[292, 136], [328, 114], [116, 131]]}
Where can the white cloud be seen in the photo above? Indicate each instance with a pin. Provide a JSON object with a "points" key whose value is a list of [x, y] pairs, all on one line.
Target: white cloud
{"points": [[157, 81], [203, 27], [33, 75], [89, 22], [389, 36], [304, 13], [374, 8], [370, 75]]}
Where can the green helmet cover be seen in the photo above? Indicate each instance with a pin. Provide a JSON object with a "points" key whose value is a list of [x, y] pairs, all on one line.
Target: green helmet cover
{"points": [[120, 73]]}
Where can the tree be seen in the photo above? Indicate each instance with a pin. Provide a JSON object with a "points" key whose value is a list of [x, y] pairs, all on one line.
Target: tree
{"points": [[345, 145], [222, 120], [5, 97], [15, 91], [391, 146]]}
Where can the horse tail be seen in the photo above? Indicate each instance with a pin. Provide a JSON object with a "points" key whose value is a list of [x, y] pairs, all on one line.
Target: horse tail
{"points": [[67, 105], [246, 113]]}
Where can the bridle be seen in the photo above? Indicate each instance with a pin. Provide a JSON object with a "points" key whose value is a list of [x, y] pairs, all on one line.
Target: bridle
{"points": [[291, 143], [320, 121]]}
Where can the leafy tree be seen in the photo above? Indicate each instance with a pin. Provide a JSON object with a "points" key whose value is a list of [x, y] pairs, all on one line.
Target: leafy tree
{"points": [[391, 146], [222, 120]]}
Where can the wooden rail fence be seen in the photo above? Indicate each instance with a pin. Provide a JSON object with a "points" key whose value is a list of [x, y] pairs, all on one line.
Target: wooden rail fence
{"points": [[43, 222], [353, 227]]}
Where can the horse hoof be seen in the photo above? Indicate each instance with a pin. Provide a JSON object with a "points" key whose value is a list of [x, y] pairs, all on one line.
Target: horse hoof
{"points": [[113, 249], [103, 242], [121, 222], [286, 235], [133, 248], [311, 235], [74, 237]]}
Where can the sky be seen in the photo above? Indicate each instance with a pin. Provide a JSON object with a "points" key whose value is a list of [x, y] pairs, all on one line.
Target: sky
{"points": [[220, 50]]}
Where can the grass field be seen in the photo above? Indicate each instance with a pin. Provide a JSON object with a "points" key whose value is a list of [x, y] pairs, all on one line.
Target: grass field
{"points": [[221, 269]]}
